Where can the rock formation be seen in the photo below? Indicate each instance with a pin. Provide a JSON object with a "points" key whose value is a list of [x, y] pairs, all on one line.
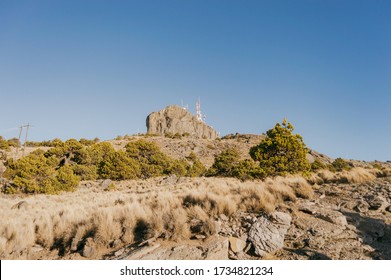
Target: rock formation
{"points": [[176, 120], [267, 234]]}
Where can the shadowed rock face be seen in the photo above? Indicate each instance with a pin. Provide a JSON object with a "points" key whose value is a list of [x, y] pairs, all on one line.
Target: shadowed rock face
{"points": [[174, 119]]}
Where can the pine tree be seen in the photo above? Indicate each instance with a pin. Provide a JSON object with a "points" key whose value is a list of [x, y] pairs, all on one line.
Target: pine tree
{"points": [[282, 152]]}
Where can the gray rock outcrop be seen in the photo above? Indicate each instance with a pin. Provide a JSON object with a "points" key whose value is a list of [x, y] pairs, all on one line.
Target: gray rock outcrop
{"points": [[174, 119], [327, 214], [267, 233]]}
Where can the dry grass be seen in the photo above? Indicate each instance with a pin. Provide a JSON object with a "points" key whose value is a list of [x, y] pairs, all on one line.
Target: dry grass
{"points": [[355, 175], [137, 211]]}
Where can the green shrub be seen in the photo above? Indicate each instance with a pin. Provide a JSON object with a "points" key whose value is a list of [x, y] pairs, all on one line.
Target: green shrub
{"points": [[118, 166], [196, 168], [248, 169], [4, 145], [179, 168], [225, 163], [317, 164], [67, 180], [14, 142], [228, 164], [87, 142], [94, 155], [339, 164], [36, 173], [57, 142], [282, 152], [152, 161], [85, 172]]}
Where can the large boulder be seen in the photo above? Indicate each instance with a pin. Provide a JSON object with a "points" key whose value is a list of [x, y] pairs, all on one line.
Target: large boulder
{"points": [[267, 233], [174, 119]]}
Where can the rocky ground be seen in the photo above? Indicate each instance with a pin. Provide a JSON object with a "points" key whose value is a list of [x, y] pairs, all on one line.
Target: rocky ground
{"points": [[342, 222], [345, 221]]}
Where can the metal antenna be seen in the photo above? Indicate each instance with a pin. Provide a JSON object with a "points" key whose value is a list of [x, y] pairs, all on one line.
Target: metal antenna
{"points": [[198, 110]]}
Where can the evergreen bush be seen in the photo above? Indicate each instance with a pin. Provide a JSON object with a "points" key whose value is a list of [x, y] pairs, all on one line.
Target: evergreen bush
{"points": [[282, 152]]}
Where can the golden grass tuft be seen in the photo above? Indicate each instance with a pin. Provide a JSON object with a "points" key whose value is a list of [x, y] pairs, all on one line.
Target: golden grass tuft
{"points": [[300, 186], [354, 175], [138, 210], [257, 199], [327, 176]]}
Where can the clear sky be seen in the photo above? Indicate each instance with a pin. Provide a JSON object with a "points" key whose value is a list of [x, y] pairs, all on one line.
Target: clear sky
{"points": [[86, 69]]}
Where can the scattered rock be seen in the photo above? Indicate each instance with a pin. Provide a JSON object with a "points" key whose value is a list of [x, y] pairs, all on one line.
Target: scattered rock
{"points": [[199, 236], [106, 183], [308, 208], [75, 244], [36, 249], [377, 202], [362, 206], [88, 184], [119, 252], [169, 180], [20, 205], [216, 248], [89, 248], [267, 234], [213, 248], [237, 245], [181, 252], [176, 120], [334, 217], [144, 252], [323, 213]]}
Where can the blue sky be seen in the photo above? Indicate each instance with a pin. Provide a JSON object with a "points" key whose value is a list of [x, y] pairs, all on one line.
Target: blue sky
{"points": [[90, 69]]}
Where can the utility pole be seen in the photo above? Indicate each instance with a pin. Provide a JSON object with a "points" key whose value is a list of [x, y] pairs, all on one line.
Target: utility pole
{"points": [[25, 139], [27, 126], [17, 147]]}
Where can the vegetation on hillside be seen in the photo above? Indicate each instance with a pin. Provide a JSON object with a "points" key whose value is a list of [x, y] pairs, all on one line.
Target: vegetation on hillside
{"points": [[282, 152], [63, 166], [228, 164], [39, 174], [7, 144]]}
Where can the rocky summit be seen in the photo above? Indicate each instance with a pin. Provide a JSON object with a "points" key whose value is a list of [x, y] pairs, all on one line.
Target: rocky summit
{"points": [[177, 120]]}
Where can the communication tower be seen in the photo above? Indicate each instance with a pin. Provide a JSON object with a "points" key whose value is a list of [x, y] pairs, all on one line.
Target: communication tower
{"points": [[199, 115]]}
